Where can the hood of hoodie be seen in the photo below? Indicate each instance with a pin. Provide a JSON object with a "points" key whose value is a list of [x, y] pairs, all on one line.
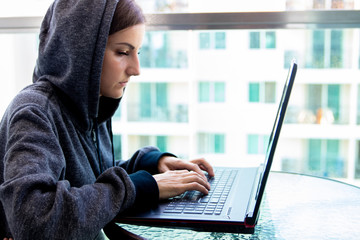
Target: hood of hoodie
{"points": [[73, 38]]}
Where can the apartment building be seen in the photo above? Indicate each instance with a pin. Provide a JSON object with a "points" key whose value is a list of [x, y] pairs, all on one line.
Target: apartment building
{"points": [[213, 92]]}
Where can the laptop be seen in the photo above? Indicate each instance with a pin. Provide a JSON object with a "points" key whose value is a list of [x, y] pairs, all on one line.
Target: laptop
{"points": [[235, 207]]}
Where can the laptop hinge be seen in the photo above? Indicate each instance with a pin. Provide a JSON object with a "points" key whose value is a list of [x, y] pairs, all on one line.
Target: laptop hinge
{"points": [[250, 220]]}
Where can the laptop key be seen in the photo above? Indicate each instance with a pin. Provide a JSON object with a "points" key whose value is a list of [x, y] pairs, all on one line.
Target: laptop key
{"points": [[214, 200], [194, 202], [205, 199], [172, 211], [208, 212]]}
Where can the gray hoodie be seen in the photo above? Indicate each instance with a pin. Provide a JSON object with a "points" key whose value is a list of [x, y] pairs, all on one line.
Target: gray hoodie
{"points": [[58, 176]]}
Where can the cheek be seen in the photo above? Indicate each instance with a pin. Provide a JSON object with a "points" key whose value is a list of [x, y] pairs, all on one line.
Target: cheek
{"points": [[107, 74], [113, 68]]}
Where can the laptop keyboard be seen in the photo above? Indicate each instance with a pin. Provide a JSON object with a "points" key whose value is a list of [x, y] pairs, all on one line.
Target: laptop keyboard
{"points": [[194, 202]]}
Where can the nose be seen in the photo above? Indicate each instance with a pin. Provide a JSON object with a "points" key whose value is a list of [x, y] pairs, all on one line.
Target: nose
{"points": [[134, 66]]}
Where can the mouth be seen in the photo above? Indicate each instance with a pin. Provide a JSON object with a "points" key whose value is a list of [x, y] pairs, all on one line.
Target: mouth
{"points": [[123, 83]]}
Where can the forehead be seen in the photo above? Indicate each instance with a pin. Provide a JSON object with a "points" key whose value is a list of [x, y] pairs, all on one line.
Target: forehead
{"points": [[132, 35]]}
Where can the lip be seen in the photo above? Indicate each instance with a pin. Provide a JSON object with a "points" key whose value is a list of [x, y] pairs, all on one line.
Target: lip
{"points": [[123, 83]]}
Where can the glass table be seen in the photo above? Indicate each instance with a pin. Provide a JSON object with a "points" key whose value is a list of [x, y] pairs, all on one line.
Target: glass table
{"points": [[294, 207]]}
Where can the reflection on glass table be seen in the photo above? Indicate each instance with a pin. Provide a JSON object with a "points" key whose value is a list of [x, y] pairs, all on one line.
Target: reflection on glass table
{"points": [[295, 207]]}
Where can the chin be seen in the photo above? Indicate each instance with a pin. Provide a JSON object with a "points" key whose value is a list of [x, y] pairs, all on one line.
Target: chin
{"points": [[119, 95], [115, 94]]}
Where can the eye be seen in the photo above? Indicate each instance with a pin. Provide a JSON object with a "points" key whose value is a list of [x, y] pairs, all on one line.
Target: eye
{"points": [[122, 53]]}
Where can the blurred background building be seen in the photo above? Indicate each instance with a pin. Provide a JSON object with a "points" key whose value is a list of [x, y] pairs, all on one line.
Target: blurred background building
{"points": [[213, 92]]}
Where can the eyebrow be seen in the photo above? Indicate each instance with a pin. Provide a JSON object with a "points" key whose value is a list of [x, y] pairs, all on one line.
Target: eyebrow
{"points": [[127, 44]]}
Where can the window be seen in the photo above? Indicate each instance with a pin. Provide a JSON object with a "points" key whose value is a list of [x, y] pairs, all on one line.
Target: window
{"points": [[324, 102], [117, 114], [164, 50], [159, 141], [266, 39], [254, 40], [153, 101], [357, 163], [270, 40], [257, 144], [212, 40], [204, 40], [211, 143], [324, 158], [318, 49], [220, 40], [327, 49], [336, 50], [156, 102], [211, 92], [117, 146], [263, 92]]}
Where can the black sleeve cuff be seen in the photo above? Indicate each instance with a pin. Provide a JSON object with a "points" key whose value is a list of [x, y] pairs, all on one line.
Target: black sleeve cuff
{"points": [[147, 191]]}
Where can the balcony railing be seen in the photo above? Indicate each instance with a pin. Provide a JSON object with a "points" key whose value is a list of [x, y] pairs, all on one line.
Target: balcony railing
{"points": [[243, 20]]}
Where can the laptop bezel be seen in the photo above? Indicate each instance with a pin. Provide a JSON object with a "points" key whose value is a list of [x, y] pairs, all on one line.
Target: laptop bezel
{"points": [[252, 216]]}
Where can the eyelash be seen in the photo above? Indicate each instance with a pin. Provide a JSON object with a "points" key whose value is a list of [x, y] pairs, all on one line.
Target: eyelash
{"points": [[126, 53], [123, 53]]}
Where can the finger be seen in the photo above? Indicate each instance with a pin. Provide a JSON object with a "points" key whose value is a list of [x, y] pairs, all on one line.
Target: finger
{"points": [[194, 177], [181, 164], [193, 181], [197, 187], [204, 165], [173, 183], [185, 177], [196, 168]]}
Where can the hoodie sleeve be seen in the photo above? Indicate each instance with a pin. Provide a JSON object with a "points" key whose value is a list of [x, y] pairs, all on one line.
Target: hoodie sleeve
{"points": [[141, 166], [39, 202]]}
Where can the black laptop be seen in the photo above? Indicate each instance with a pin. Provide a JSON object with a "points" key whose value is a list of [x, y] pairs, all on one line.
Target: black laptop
{"points": [[233, 203]]}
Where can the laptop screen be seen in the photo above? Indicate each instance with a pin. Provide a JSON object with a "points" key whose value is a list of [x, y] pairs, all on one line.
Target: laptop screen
{"points": [[274, 136]]}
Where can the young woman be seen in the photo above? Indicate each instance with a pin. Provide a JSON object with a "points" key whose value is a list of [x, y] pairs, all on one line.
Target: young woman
{"points": [[58, 175]]}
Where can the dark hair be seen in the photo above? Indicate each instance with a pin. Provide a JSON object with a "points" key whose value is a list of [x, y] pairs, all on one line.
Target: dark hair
{"points": [[127, 14]]}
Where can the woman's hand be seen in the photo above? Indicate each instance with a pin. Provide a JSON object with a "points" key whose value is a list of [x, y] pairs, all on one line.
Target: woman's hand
{"points": [[173, 183], [167, 163], [177, 176]]}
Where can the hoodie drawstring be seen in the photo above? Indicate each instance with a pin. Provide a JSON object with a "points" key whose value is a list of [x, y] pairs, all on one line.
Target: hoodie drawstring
{"points": [[98, 145], [109, 128]]}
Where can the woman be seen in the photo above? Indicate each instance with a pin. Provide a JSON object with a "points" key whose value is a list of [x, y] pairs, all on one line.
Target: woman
{"points": [[58, 176]]}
